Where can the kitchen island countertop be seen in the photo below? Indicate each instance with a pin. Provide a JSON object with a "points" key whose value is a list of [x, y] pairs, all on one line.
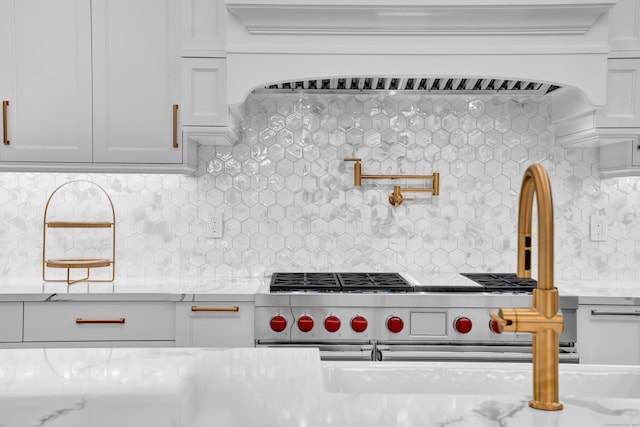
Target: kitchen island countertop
{"points": [[249, 387]]}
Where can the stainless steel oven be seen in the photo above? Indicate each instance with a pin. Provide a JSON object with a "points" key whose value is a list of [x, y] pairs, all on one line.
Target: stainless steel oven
{"points": [[392, 316]]}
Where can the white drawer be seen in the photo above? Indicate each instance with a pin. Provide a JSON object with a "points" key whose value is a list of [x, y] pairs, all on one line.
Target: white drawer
{"points": [[215, 324], [10, 321], [99, 321]]}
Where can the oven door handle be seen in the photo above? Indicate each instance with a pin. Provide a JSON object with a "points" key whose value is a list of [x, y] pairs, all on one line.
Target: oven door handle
{"points": [[467, 356], [345, 355]]}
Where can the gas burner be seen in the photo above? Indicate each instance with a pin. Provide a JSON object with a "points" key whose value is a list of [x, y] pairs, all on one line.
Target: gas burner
{"points": [[308, 282], [377, 282], [502, 282], [339, 282]]}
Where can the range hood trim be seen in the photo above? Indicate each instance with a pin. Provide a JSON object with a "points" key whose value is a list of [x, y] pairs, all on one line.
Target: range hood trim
{"points": [[412, 17]]}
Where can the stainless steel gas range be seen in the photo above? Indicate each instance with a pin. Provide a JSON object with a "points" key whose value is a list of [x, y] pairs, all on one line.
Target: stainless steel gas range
{"points": [[392, 316]]}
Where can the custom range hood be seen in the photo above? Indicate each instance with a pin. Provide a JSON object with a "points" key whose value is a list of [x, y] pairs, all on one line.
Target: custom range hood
{"points": [[536, 47]]}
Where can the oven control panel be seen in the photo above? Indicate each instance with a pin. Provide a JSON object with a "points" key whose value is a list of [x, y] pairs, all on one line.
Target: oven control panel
{"points": [[365, 324]]}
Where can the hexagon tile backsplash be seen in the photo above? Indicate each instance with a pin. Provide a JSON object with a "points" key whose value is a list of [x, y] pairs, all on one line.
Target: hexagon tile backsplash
{"points": [[289, 203]]}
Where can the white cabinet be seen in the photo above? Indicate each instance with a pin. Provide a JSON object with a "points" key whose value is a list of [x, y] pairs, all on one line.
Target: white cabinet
{"points": [[609, 334], [622, 109], [624, 31], [10, 322], [118, 323], [206, 118], [204, 92], [204, 28], [215, 324], [92, 85], [45, 76], [620, 158], [136, 81]]}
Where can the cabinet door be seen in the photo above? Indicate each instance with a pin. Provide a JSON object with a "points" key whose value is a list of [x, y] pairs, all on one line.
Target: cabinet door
{"points": [[136, 73], [214, 324], [623, 94], [45, 75], [609, 334], [624, 28], [203, 28], [205, 92]]}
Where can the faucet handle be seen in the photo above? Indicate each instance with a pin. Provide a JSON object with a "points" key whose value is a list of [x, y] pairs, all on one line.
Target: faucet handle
{"points": [[499, 321]]}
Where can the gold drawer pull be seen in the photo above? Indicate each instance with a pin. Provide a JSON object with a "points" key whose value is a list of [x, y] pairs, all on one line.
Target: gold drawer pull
{"points": [[80, 320], [175, 125], [5, 131], [196, 308]]}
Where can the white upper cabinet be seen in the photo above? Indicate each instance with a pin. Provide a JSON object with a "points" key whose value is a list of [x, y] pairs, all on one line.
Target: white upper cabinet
{"points": [[92, 85], [45, 80], [204, 28], [136, 71], [622, 109], [624, 33]]}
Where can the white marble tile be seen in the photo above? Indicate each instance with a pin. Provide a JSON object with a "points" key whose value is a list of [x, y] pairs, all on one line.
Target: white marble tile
{"points": [[285, 192]]}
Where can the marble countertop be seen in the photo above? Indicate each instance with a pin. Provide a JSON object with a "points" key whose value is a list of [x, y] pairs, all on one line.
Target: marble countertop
{"points": [[245, 289], [148, 289], [255, 387]]}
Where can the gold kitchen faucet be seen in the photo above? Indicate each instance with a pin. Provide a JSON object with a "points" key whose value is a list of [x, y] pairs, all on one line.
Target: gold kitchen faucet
{"points": [[542, 320]]}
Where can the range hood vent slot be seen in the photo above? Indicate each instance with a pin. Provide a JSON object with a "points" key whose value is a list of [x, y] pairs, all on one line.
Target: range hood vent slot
{"points": [[435, 85]]}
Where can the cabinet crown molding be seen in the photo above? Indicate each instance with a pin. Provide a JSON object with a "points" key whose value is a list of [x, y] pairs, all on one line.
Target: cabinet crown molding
{"points": [[413, 17]]}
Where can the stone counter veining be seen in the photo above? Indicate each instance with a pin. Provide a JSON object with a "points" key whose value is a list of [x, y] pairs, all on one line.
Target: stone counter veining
{"points": [[248, 387]]}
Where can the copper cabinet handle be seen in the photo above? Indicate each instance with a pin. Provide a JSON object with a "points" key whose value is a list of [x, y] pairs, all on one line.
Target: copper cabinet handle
{"points": [[175, 125], [5, 131], [196, 308], [80, 320]]}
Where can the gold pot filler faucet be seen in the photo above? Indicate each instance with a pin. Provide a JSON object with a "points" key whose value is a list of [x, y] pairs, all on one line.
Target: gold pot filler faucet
{"points": [[542, 320]]}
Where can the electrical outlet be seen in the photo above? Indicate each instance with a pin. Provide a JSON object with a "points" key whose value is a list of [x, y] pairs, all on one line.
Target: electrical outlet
{"points": [[598, 228], [215, 225]]}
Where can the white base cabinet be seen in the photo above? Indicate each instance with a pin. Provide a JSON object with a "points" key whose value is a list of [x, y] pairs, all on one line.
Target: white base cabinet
{"points": [[609, 334], [215, 324], [10, 322], [118, 323]]}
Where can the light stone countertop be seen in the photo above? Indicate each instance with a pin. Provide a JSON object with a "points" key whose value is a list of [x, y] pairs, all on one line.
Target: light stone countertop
{"points": [[256, 387], [245, 289], [603, 291], [148, 289]]}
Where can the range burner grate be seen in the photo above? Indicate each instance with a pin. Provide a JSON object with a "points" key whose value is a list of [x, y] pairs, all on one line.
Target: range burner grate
{"points": [[291, 282], [502, 282], [339, 282], [360, 282]]}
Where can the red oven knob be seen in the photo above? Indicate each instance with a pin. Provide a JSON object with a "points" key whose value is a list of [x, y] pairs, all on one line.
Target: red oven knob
{"points": [[359, 324], [463, 325], [305, 323], [278, 323], [332, 323], [493, 325], [395, 324]]}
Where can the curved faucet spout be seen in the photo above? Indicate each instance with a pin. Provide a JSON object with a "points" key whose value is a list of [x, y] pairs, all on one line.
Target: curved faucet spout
{"points": [[536, 181], [542, 320]]}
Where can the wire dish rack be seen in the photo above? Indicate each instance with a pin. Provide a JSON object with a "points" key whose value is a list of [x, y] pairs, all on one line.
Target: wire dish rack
{"points": [[67, 202]]}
